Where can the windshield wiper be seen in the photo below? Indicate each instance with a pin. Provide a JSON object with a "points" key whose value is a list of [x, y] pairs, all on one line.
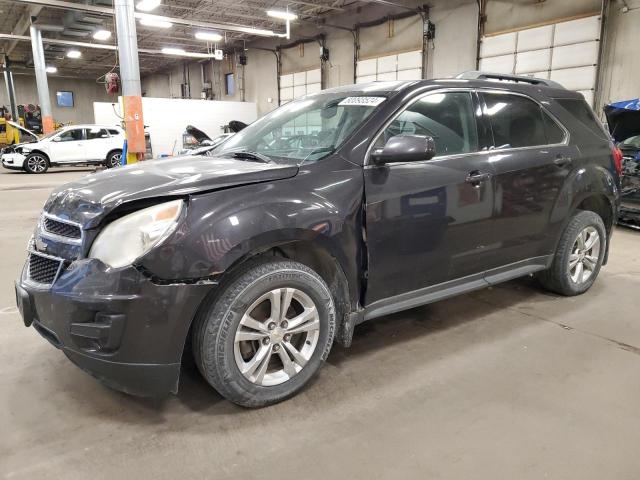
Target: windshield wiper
{"points": [[253, 156]]}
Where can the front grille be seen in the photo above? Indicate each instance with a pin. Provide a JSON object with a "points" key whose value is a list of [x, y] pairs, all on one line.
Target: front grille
{"points": [[43, 269], [62, 229]]}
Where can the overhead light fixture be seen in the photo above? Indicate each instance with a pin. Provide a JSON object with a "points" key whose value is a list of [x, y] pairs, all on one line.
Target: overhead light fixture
{"points": [[148, 5], [173, 51], [74, 54], [281, 14], [51, 69], [209, 36], [152, 22], [102, 35], [257, 31]]}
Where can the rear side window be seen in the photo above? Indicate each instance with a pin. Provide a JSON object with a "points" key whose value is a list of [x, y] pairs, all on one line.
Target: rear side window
{"points": [[580, 110], [446, 117], [114, 132], [517, 121], [96, 133]]}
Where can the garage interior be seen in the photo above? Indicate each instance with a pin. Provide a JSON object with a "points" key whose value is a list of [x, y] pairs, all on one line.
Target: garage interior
{"points": [[505, 382]]}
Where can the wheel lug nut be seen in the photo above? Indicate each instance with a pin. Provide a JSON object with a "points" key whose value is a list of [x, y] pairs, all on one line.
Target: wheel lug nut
{"points": [[266, 341], [284, 324], [271, 325], [287, 337], [276, 348]]}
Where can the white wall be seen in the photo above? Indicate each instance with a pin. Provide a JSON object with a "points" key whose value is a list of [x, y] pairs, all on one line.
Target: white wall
{"points": [[85, 92], [167, 118]]}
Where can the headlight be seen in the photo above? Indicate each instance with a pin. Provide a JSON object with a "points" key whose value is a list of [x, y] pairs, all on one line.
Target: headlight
{"points": [[128, 238]]}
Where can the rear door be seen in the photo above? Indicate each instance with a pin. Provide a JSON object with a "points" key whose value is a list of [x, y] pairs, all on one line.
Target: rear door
{"points": [[97, 143], [427, 222], [532, 159], [68, 146]]}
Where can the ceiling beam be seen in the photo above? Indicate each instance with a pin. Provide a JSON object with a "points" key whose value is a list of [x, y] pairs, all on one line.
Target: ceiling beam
{"points": [[23, 25], [231, 27], [100, 46]]}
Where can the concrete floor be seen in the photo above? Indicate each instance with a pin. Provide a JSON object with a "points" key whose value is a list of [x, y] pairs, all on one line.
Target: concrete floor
{"points": [[508, 382]]}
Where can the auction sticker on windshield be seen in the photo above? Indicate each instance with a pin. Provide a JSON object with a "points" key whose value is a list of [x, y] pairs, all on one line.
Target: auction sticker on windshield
{"points": [[364, 101]]}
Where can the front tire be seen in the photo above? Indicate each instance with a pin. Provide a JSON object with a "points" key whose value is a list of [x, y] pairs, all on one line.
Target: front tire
{"points": [[579, 256], [266, 334], [36, 163]]}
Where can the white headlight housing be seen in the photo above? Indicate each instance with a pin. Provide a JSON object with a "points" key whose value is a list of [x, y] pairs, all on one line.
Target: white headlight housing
{"points": [[128, 238]]}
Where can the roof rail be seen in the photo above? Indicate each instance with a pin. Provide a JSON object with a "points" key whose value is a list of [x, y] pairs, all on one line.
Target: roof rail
{"points": [[505, 77]]}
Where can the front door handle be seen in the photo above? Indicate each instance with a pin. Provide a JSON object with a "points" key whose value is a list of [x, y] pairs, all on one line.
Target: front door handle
{"points": [[562, 161], [476, 177]]}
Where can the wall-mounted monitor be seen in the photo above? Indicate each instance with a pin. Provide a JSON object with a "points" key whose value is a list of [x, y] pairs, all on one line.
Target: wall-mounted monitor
{"points": [[64, 98]]}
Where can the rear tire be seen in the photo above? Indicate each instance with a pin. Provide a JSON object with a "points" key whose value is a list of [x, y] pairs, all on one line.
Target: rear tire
{"points": [[266, 334], [579, 256], [113, 159], [36, 163]]}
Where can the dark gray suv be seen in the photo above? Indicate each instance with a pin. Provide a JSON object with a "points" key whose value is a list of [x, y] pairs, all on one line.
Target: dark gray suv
{"points": [[334, 209]]}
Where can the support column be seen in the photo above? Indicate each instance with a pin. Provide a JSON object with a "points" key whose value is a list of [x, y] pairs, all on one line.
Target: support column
{"points": [[11, 93], [41, 79], [130, 78]]}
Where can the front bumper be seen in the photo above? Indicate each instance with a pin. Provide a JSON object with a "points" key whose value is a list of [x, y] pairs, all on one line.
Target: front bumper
{"points": [[115, 324], [13, 161]]}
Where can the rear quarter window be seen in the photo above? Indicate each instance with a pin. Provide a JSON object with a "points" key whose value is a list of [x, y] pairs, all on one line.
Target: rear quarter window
{"points": [[580, 110]]}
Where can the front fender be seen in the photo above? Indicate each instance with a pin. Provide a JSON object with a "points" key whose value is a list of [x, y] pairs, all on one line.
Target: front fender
{"points": [[223, 227]]}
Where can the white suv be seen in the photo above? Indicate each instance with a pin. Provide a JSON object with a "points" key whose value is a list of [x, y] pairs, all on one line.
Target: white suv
{"points": [[72, 145]]}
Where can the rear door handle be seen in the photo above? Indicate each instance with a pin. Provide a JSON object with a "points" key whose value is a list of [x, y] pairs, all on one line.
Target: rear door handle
{"points": [[562, 161], [476, 177]]}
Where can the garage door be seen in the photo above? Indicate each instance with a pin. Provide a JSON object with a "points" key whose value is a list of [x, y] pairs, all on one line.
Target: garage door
{"points": [[299, 84], [566, 52], [403, 66]]}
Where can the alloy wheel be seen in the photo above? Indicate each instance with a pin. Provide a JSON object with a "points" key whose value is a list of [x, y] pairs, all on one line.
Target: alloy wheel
{"points": [[276, 336], [115, 160], [37, 163], [585, 253]]}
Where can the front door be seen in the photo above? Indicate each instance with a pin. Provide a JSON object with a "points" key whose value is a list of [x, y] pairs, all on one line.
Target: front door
{"points": [[68, 146], [429, 222]]}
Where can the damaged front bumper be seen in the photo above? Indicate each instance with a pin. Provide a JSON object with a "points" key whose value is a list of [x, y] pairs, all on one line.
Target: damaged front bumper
{"points": [[116, 324]]}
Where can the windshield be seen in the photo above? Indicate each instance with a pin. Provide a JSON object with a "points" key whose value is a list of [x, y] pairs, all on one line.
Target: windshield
{"points": [[304, 130]]}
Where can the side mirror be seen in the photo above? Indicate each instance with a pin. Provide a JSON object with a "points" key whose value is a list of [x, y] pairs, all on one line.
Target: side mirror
{"points": [[405, 148]]}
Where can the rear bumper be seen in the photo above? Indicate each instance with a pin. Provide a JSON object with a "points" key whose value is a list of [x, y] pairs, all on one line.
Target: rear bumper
{"points": [[117, 325], [629, 216]]}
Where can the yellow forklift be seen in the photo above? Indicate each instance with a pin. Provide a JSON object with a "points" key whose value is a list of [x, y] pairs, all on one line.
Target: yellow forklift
{"points": [[12, 133]]}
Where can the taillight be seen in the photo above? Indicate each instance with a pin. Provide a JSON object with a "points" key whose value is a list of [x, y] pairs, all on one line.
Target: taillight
{"points": [[617, 159]]}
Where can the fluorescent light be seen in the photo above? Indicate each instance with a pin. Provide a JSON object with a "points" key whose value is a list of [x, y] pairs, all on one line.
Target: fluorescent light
{"points": [[102, 35], [74, 54], [210, 36], [173, 51], [152, 22], [256, 31], [282, 14], [148, 5], [51, 69]]}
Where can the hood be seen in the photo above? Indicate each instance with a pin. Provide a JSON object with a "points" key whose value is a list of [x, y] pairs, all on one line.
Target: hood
{"points": [[31, 137], [91, 198], [623, 119], [198, 134]]}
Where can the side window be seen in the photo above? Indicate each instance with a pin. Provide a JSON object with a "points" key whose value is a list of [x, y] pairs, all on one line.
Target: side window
{"points": [[580, 110], [552, 130], [515, 121], [71, 135], [114, 132], [95, 133], [446, 117]]}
